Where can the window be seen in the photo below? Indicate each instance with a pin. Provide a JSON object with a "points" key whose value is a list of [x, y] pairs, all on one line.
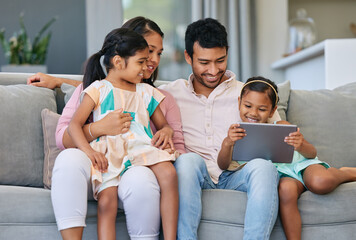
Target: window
{"points": [[172, 16]]}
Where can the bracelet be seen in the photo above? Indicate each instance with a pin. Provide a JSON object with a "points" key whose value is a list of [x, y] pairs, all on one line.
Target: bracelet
{"points": [[90, 131]]}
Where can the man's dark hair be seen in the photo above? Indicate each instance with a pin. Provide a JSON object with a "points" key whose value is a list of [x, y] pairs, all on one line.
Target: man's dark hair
{"points": [[208, 32]]}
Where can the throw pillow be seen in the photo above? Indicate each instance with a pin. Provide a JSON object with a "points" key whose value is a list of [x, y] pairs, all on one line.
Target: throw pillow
{"points": [[283, 93], [49, 124], [21, 141], [68, 90]]}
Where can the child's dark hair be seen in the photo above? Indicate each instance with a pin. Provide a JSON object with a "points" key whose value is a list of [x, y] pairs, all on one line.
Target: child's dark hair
{"points": [[120, 41], [264, 85], [144, 27], [208, 32]]}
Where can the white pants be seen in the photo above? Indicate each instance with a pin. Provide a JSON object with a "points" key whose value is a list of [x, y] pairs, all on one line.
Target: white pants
{"points": [[139, 195]]}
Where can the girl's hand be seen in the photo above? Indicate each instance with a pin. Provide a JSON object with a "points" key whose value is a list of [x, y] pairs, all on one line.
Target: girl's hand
{"points": [[98, 160], [114, 123], [235, 133], [295, 139], [163, 137]]}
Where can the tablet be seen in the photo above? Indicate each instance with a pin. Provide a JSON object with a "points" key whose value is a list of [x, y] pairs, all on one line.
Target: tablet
{"points": [[264, 141]]}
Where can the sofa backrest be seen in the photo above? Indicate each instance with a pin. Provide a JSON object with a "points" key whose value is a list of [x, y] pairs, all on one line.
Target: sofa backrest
{"points": [[327, 119], [21, 78]]}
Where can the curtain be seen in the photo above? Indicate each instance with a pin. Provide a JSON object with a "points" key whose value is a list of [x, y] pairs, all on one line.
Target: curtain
{"points": [[237, 17], [101, 18]]}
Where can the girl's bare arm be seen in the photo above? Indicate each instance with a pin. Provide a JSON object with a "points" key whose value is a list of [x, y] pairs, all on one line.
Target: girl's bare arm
{"points": [[234, 134], [300, 144], [75, 131]]}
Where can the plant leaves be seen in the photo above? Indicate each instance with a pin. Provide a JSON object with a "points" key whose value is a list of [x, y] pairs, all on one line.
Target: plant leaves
{"points": [[19, 50]]}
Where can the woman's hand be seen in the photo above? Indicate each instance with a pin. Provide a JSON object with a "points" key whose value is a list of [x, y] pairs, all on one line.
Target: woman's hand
{"points": [[114, 123], [295, 139], [163, 138], [43, 80]]}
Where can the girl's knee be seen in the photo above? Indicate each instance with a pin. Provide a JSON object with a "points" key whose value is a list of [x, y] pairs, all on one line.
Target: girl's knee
{"points": [[320, 184], [287, 191], [107, 203], [167, 176]]}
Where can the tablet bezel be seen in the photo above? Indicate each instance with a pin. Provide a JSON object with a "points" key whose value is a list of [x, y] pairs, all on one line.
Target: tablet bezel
{"points": [[264, 141]]}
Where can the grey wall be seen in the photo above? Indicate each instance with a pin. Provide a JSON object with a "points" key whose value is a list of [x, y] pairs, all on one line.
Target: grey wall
{"points": [[67, 49]]}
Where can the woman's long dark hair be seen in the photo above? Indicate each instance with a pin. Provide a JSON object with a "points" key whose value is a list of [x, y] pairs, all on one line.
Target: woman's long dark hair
{"points": [[120, 41], [144, 27]]}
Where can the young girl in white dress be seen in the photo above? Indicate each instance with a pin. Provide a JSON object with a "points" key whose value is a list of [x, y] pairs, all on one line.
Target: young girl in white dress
{"points": [[125, 53]]}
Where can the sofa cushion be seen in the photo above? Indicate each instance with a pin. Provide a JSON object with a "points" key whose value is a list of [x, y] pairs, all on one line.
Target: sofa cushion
{"points": [[31, 205], [49, 124], [331, 215], [327, 119], [283, 94], [21, 142], [68, 91], [330, 209]]}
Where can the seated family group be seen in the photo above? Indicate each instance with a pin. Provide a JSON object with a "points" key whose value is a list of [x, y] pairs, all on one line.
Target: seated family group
{"points": [[151, 151]]}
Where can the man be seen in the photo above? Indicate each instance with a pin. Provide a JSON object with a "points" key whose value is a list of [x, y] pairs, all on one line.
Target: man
{"points": [[208, 105]]}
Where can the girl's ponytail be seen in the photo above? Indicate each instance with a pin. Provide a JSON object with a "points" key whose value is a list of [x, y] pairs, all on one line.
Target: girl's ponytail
{"points": [[93, 70], [120, 41]]}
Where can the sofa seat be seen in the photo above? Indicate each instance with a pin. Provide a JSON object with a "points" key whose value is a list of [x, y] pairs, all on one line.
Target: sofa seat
{"points": [[37, 217], [322, 215]]}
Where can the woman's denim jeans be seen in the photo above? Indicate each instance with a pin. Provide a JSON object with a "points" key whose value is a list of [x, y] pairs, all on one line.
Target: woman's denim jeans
{"points": [[258, 178]]}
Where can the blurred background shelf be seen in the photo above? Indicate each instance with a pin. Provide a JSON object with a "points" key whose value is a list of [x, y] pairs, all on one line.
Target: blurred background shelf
{"points": [[325, 65]]}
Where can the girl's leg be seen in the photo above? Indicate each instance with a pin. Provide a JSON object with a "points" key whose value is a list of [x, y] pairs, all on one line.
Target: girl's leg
{"points": [[321, 180], [107, 211], [289, 191], [70, 185], [75, 233], [139, 195], [168, 182]]}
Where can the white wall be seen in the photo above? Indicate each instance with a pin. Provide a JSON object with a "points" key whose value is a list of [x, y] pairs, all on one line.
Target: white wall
{"points": [[343, 13], [332, 18], [271, 34]]}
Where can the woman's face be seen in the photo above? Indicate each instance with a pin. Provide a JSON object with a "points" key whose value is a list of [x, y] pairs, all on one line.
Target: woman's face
{"points": [[155, 44]]}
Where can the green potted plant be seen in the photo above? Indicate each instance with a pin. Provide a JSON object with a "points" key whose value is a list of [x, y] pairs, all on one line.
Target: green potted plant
{"points": [[22, 54]]}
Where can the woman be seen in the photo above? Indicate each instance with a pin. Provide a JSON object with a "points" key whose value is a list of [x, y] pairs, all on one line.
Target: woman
{"points": [[71, 173]]}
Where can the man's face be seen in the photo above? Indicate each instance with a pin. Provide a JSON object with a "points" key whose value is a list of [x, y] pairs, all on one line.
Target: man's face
{"points": [[208, 66]]}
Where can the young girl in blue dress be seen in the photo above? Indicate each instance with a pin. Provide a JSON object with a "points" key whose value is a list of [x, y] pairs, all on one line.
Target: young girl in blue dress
{"points": [[257, 102], [125, 54]]}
